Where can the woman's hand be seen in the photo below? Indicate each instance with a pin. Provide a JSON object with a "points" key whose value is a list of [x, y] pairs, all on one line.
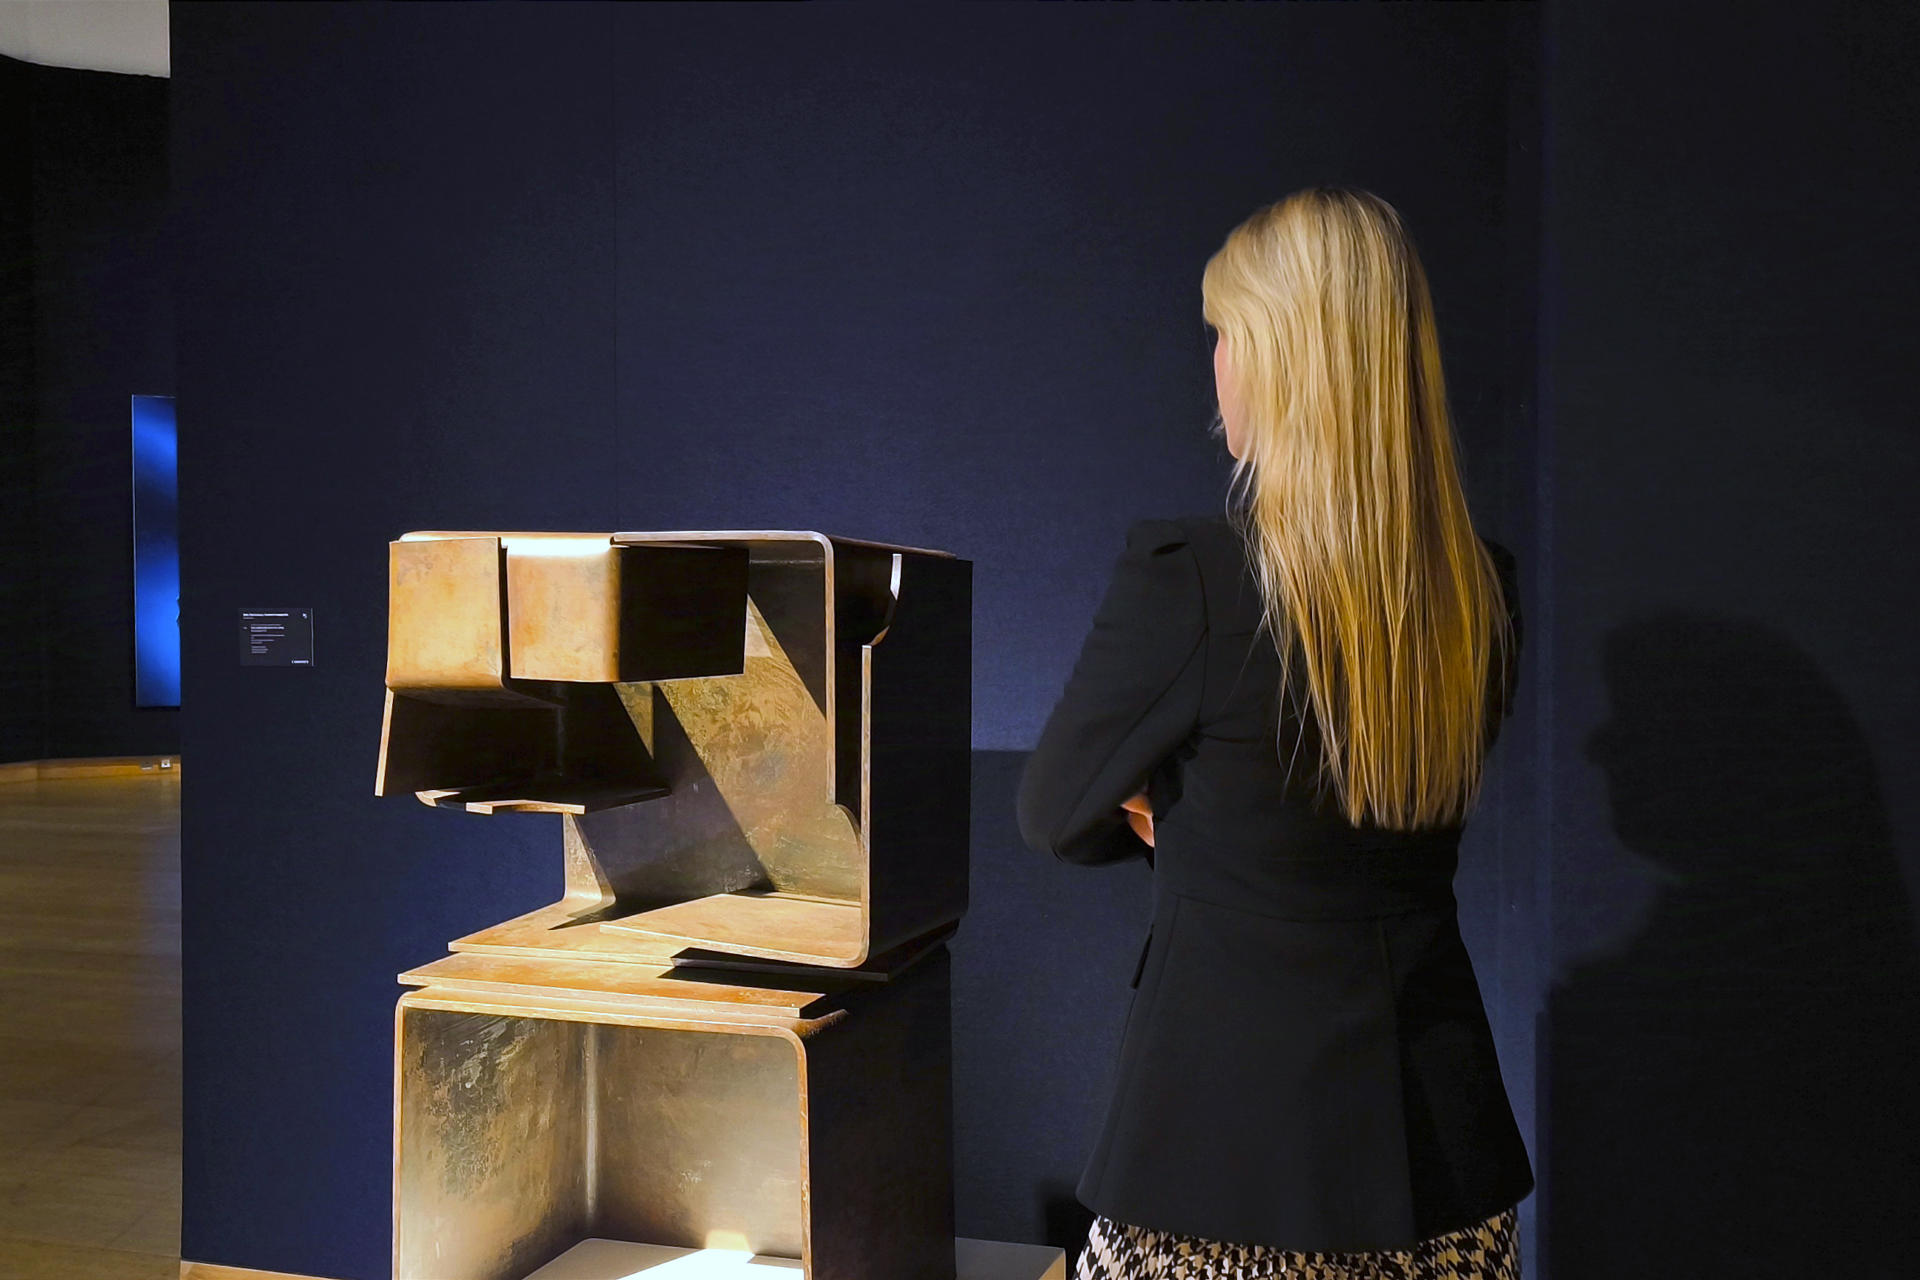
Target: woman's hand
{"points": [[1139, 816]]}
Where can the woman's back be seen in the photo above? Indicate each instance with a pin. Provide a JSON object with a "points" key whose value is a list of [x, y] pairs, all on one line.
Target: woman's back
{"points": [[1307, 1062], [1251, 820]]}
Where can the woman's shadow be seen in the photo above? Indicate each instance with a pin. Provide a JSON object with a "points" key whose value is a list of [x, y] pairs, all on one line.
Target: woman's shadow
{"points": [[1733, 1094]]}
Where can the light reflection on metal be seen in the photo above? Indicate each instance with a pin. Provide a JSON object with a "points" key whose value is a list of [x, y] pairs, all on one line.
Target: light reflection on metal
{"points": [[526, 1120], [749, 803], [732, 1031]]}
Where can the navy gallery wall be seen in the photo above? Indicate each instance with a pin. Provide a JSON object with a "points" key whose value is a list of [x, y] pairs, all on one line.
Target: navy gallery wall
{"points": [[22, 687], [1729, 523], [929, 277], [86, 323], [395, 301], [940, 275]]}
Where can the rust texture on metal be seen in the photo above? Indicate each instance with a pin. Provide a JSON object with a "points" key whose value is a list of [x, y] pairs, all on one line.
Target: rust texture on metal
{"points": [[582, 609], [490, 1154], [446, 636], [729, 801], [732, 1030], [527, 1118], [503, 654], [563, 610]]}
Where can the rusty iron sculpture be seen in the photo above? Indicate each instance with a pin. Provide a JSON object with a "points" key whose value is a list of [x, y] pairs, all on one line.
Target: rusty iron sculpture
{"points": [[732, 1031]]}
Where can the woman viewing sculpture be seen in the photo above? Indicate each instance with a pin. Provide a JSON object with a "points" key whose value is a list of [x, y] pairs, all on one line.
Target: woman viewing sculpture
{"points": [[1286, 709]]}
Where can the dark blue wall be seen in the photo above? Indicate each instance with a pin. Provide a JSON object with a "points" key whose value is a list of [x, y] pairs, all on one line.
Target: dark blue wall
{"points": [[1734, 726], [929, 275], [22, 675], [86, 322]]}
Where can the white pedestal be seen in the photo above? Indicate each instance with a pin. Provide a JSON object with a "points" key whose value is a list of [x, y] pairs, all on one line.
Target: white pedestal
{"points": [[620, 1260]]}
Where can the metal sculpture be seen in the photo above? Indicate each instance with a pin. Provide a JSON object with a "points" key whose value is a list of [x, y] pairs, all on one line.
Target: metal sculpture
{"points": [[732, 1030]]}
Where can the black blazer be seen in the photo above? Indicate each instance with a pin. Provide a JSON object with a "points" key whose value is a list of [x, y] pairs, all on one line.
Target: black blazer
{"points": [[1306, 1062]]}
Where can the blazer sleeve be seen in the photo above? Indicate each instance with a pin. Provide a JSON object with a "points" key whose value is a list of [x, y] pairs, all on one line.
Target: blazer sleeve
{"points": [[1132, 698]]}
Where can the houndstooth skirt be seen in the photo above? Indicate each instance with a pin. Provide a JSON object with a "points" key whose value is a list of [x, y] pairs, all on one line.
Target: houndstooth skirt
{"points": [[1487, 1250]]}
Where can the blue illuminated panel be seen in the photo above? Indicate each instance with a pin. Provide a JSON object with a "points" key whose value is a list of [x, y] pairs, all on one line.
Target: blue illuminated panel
{"points": [[156, 555]]}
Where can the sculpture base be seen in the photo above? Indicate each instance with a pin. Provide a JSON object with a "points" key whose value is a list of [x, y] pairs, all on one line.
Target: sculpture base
{"points": [[541, 1103]]}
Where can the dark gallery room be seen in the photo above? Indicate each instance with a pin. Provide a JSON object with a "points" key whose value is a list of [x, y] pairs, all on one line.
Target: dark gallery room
{"points": [[957, 641]]}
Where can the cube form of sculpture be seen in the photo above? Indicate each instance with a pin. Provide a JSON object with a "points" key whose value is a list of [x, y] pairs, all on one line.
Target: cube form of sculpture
{"points": [[502, 654], [780, 770], [733, 1029], [471, 615], [538, 1107]]}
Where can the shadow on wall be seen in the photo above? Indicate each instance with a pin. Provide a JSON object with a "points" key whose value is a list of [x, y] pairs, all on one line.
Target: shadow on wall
{"points": [[1732, 1094]]}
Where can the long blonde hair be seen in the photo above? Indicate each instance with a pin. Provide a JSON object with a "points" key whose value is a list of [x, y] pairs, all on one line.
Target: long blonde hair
{"points": [[1350, 502]]}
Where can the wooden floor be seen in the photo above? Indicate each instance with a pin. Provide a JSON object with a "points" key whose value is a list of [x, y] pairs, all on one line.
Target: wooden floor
{"points": [[90, 1029]]}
